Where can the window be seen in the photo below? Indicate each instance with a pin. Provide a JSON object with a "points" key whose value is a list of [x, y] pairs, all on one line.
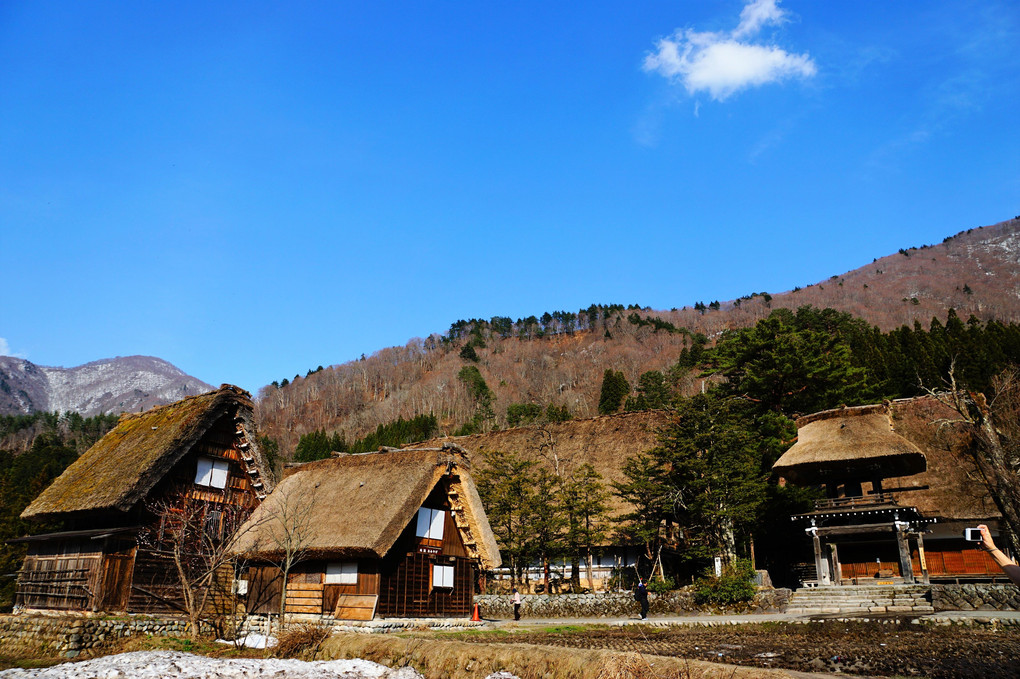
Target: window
{"points": [[212, 473], [430, 523], [442, 576], [342, 573], [214, 524]]}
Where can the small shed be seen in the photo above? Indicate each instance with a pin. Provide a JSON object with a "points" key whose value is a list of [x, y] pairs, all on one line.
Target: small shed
{"points": [[199, 452], [395, 533]]}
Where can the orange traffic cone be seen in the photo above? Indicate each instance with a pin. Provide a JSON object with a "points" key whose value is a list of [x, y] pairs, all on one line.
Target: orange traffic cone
{"points": [[474, 616]]}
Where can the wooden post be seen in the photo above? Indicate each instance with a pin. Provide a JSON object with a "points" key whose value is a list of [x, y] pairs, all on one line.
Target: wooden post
{"points": [[837, 568], [920, 556], [820, 570], [906, 568]]}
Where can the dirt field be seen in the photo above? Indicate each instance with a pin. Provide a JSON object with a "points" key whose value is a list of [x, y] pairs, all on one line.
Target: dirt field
{"points": [[870, 649]]}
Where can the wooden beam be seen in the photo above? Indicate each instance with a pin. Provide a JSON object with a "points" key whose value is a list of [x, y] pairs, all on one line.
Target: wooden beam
{"points": [[856, 529]]}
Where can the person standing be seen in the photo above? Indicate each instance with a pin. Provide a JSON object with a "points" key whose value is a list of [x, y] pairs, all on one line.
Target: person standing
{"points": [[641, 596], [517, 604], [1008, 566]]}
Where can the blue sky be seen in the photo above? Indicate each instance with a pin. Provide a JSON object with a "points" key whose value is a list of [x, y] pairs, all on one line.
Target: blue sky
{"points": [[249, 190]]}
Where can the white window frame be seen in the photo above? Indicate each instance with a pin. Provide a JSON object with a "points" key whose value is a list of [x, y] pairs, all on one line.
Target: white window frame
{"points": [[430, 523], [212, 472], [442, 576], [341, 573]]}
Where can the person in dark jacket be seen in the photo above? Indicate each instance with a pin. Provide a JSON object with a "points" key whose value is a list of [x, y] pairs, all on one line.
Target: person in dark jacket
{"points": [[641, 596]]}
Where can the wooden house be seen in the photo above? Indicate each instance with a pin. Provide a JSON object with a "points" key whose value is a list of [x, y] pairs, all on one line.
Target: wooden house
{"points": [[118, 500], [397, 533], [900, 489]]}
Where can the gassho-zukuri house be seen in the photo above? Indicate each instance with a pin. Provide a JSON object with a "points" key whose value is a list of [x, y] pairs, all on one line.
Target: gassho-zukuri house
{"points": [[395, 533], [899, 492], [200, 453]]}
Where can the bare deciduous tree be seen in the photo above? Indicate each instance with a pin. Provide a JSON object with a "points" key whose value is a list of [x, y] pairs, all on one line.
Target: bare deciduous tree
{"points": [[195, 536], [284, 534], [994, 424]]}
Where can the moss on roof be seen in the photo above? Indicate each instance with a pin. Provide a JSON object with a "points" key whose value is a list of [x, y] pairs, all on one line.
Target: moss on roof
{"points": [[358, 505], [123, 466]]}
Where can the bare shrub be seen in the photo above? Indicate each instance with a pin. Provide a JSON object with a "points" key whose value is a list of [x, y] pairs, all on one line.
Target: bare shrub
{"points": [[301, 640]]}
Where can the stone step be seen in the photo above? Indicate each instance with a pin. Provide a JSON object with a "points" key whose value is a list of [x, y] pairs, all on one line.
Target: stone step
{"points": [[854, 610], [835, 597]]}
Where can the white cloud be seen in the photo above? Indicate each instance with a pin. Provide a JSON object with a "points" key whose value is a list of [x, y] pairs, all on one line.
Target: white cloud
{"points": [[757, 14], [5, 349], [724, 63]]}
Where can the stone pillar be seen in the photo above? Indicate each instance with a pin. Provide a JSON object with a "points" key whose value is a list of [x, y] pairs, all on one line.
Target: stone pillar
{"points": [[906, 569]]}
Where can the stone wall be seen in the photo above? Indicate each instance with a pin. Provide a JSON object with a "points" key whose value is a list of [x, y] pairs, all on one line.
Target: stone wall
{"points": [[69, 636], [621, 604], [975, 597]]}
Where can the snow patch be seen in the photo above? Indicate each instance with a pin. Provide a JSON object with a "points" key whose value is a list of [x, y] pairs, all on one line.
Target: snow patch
{"points": [[178, 665]]}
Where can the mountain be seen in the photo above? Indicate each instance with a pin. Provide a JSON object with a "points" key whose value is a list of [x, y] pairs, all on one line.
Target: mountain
{"points": [[560, 359], [112, 385]]}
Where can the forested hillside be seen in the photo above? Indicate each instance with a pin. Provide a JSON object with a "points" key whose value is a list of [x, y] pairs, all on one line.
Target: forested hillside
{"points": [[492, 373], [34, 450]]}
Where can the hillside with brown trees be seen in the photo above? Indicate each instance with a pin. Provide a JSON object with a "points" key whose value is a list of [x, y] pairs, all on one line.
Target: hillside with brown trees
{"points": [[555, 364]]}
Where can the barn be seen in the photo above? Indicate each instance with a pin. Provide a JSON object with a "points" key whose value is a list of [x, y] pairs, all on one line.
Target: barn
{"points": [[193, 461], [394, 533]]}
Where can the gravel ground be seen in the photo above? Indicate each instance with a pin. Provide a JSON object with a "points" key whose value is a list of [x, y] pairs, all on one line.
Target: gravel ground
{"points": [[854, 648]]}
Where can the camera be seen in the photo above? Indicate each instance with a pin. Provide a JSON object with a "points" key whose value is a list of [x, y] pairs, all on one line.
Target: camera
{"points": [[972, 534]]}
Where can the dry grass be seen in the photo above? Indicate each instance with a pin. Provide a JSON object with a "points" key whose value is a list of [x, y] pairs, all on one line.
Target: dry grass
{"points": [[301, 640], [438, 659]]}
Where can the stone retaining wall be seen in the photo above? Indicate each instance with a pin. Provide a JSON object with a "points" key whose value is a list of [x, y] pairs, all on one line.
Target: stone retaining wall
{"points": [[69, 636], [975, 597], [621, 604]]}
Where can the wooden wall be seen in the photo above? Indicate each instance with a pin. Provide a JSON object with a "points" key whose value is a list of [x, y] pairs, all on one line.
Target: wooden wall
{"points": [[155, 586], [264, 590], [118, 566], [406, 588], [63, 575], [307, 591], [965, 561], [944, 558], [367, 585]]}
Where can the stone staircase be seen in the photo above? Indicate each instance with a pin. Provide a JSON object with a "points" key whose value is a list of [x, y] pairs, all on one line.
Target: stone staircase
{"points": [[861, 600]]}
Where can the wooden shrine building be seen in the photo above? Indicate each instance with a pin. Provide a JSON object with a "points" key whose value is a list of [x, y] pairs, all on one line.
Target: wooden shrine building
{"points": [[899, 492], [119, 501], [396, 533]]}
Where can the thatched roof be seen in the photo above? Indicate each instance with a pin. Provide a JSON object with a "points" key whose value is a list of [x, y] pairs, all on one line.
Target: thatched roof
{"points": [[849, 444], [895, 438], [605, 442], [356, 506], [122, 468]]}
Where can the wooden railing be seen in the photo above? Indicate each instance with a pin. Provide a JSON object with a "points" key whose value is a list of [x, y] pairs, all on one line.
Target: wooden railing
{"points": [[860, 501]]}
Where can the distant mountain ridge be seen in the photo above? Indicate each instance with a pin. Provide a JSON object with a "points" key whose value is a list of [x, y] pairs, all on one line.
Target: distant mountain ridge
{"points": [[110, 385], [975, 272]]}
